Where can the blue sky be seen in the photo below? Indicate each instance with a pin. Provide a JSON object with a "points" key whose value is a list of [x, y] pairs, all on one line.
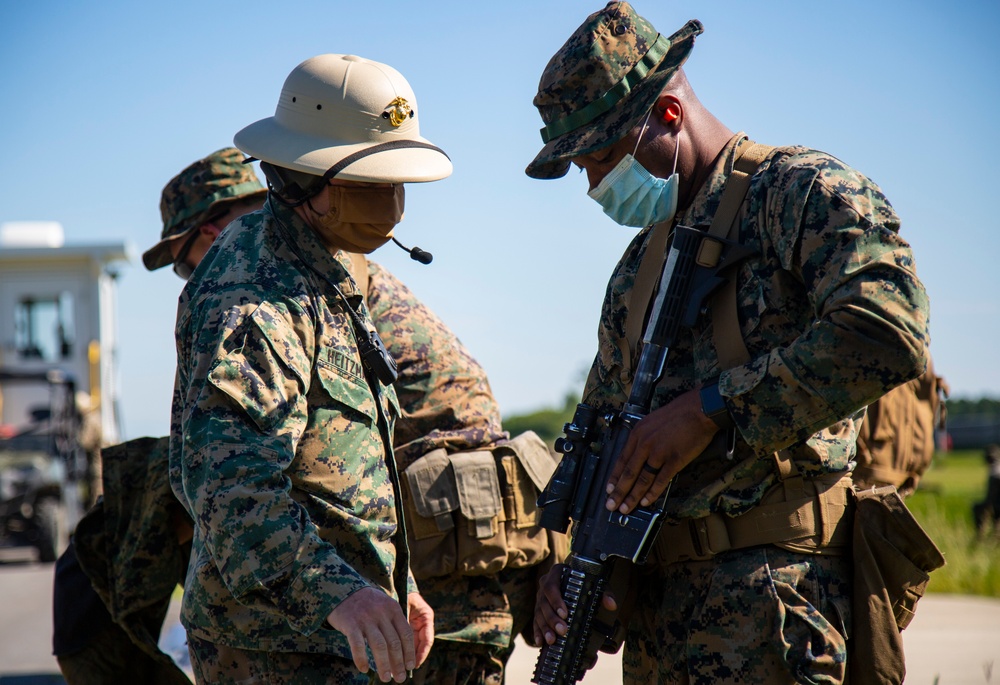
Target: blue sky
{"points": [[103, 102]]}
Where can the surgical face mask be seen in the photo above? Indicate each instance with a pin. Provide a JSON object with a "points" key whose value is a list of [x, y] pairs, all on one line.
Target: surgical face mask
{"points": [[361, 218], [632, 196]]}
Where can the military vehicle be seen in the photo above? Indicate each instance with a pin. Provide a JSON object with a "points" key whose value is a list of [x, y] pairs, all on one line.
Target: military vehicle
{"points": [[42, 465]]}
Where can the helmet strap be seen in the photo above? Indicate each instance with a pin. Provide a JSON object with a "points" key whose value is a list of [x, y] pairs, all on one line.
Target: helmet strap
{"points": [[291, 188]]}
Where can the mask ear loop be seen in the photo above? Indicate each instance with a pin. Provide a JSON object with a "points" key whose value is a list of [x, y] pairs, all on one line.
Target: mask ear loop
{"points": [[677, 149], [644, 122]]}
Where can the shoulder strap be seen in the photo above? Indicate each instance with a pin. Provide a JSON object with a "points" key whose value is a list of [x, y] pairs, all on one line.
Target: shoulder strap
{"points": [[749, 156], [646, 279], [359, 272], [726, 334]]}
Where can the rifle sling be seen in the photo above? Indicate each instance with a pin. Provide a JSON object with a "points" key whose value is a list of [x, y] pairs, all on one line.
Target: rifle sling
{"points": [[726, 334], [359, 271], [727, 337]]}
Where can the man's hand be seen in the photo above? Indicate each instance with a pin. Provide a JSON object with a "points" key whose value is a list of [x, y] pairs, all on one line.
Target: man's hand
{"points": [[661, 444], [551, 611], [371, 617], [422, 624]]}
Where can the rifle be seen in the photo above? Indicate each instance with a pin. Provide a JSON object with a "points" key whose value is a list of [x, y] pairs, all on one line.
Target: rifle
{"points": [[592, 445]]}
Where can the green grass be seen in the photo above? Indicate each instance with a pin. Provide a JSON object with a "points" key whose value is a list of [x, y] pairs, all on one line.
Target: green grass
{"points": [[943, 506]]}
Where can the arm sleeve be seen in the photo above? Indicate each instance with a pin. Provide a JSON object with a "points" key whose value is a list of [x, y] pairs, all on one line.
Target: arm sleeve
{"points": [[245, 409], [443, 392], [836, 236]]}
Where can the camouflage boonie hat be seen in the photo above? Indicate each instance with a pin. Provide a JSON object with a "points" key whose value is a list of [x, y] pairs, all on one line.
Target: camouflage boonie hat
{"points": [[199, 192], [601, 81]]}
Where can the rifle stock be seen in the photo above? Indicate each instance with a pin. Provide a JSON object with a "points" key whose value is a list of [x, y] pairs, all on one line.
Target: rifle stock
{"points": [[592, 445]]}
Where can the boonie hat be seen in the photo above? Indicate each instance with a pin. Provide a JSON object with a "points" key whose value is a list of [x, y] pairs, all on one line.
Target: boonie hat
{"points": [[350, 117], [202, 190], [601, 82]]}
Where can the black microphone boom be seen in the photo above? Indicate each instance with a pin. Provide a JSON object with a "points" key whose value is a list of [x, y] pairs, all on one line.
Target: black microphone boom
{"points": [[416, 253]]}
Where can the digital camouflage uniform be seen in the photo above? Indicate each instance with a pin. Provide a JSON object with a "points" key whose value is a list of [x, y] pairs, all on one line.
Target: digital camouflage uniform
{"points": [[833, 315], [276, 448], [127, 545], [446, 402], [114, 583]]}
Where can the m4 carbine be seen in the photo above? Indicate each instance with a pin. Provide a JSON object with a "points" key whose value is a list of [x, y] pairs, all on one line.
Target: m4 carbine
{"points": [[591, 446]]}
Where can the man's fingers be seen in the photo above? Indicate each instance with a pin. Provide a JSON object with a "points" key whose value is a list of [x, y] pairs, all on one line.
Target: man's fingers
{"points": [[388, 642], [550, 609], [550, 591], [420, 619], [359, 651], [380, 652], [633, 483], [407, 651], [659, 486]]}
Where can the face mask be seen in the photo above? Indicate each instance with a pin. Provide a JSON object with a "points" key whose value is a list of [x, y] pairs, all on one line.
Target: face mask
{"points": [[361, 218], [632, 196]]}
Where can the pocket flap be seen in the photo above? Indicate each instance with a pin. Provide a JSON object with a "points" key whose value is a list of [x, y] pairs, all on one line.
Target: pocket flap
{"points": [[478, 489], [432, 488], [535, 457], [266, 371]]}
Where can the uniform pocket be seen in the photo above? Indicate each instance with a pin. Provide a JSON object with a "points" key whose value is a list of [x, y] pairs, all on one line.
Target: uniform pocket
{"points": [[347, 391], [811, 631], [265, 371]]}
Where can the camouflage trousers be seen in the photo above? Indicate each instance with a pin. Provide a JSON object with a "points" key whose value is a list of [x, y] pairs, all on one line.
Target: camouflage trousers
{"points": [[757, 615], [111, 657], [479, 657], [216, 664], [460, 663]]}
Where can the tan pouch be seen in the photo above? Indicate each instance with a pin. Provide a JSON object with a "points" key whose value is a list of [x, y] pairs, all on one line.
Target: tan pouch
{"points": [[893, 558], [474, 512], [525, 465], [429, 498], [481, 536]]}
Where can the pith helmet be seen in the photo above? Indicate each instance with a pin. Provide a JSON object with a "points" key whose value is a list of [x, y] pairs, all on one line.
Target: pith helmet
{"points": [[601, 82], [202, 190], [350, 117]]}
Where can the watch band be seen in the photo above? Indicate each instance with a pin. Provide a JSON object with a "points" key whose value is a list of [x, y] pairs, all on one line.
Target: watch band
{"points": [[713, 404]]}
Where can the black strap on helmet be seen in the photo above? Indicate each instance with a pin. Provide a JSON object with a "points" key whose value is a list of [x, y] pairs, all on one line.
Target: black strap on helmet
{"points": [[381, 147], [293, 188]]}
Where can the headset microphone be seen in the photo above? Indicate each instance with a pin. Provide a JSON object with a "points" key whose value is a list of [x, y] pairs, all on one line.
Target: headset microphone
{"points": [[416, 253]]}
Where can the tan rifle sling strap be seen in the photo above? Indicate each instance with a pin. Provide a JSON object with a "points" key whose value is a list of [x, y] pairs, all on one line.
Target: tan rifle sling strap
{"points": [[726, 334], [727, 337], [359, 272], [641, 295]]}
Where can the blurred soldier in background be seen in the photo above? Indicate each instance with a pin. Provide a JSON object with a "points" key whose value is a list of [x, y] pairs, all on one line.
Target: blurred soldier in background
{"points": [[986, 514], [896, 441], [114, 583]]}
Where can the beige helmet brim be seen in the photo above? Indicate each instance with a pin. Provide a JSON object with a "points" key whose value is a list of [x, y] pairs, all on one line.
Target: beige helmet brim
{"points": [[269, 141]]}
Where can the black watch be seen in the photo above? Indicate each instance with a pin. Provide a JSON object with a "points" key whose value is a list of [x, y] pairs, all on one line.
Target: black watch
{"points": [[714, 406]]}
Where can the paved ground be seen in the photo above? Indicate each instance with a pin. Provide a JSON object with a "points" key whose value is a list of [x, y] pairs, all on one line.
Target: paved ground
{"points": [[952, 641]]}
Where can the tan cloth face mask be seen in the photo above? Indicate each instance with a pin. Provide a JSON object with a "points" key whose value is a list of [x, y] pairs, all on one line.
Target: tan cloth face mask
{"points": [[361, 218]]}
